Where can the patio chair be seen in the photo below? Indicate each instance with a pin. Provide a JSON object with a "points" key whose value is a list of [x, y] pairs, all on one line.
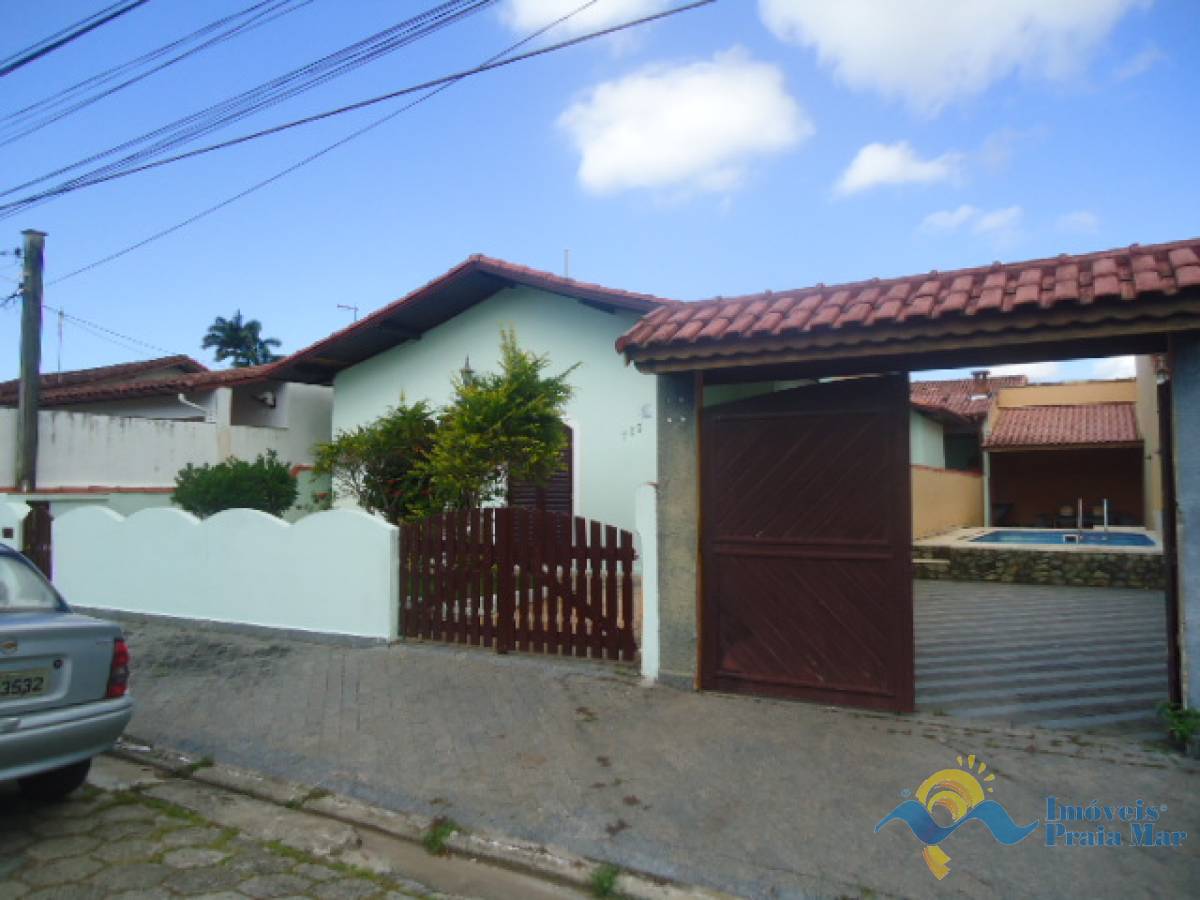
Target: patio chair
{"points": [[1066, 517]]}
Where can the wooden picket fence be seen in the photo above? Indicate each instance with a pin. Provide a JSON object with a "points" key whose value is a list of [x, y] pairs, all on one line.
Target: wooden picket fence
{"points": [[519, 579]]}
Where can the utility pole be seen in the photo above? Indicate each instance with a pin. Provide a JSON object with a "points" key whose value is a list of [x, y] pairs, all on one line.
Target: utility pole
{"points": [[29, 389]]}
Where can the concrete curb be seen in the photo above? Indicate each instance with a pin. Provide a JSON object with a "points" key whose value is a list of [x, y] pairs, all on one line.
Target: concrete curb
{"points": [[549, 863]]}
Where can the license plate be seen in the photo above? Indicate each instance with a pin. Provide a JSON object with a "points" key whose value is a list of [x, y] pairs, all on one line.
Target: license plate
{"points": [[29, 683]]}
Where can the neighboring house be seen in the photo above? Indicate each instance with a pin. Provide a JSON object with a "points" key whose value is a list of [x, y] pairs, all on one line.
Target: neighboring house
{"points": [[117, 435], [959, 406], [1039, 448], [1052, 446], [413, 348]]}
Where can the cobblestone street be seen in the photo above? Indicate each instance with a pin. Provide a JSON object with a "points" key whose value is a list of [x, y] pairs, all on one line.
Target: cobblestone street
{"points": [[120, 844], [120, 841]]}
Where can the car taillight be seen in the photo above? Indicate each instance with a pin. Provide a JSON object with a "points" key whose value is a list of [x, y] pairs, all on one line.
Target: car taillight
{"points": [[118, 673]]}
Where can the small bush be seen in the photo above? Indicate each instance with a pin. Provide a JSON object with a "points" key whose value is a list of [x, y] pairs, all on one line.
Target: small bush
{"points": [[604, 880], [382, 464], [1182, 723], [266, 484], [440, 830]]}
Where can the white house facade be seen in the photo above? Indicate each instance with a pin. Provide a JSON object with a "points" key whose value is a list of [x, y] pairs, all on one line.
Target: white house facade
{"points": [[425, 339]]}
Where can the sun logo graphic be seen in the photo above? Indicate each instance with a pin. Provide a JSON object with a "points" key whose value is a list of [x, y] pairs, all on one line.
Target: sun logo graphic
{"points": [[961, 795]]}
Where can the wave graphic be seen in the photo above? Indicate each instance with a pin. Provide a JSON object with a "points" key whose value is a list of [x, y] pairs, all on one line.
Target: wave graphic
{"points": [[928, 832]]}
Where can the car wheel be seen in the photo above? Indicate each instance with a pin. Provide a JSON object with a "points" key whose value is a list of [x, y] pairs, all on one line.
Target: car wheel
{"points": [[57, 783]]}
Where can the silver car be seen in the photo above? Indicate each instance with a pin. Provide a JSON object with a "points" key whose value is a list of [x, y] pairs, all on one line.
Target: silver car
{"points": [[64, 682]]}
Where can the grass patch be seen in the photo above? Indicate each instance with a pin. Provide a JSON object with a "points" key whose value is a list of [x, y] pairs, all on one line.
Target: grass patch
{"points": [[170, 809], [342, 868], [440, 830], [604, 880]]}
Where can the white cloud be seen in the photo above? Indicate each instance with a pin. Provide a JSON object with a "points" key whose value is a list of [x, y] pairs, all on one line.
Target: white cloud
{"points": [[689, 127], [1039, 371], [881, 164], [999, 221], [1082, 221], [949, 219], [530, 15], [1140, 63], [932, 52], [1114, 367]]}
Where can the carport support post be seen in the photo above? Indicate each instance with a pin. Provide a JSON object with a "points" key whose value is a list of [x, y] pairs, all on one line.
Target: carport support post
{"points": [[678, 526], [1185, 416]]}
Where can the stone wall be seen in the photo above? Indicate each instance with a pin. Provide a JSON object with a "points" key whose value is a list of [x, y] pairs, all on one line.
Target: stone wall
{"points": [[1074, 567]]}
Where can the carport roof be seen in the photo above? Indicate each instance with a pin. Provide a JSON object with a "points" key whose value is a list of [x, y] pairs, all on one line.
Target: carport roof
{"points": [[1046, 427], [1136, 289]]}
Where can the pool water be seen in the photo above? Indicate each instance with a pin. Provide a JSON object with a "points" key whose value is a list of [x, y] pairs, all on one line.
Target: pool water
{"points": [[1048, 536]]}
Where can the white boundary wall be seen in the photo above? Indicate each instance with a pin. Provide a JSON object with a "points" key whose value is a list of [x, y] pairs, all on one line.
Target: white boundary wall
{"points": [[334, 572]]}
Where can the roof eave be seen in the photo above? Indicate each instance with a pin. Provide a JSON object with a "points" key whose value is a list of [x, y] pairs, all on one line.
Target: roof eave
{"points": [[1180, 312]]}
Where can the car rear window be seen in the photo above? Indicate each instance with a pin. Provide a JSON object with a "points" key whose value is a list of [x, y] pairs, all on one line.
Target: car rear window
{"points": [[22, 588]]}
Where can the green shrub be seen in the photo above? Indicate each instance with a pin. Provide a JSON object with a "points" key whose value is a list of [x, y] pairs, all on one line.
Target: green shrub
{"points": [[501, 426], [1182, 722], [604, 880], [266, 484], [382, 464]]}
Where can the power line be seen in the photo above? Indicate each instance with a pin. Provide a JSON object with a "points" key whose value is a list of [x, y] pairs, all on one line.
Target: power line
{"points": [[8, 209], [73, 33], [67, 101], [313, 157], [269, 93], [101, 330]]}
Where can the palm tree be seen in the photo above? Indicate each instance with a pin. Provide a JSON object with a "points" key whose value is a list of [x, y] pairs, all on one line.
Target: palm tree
{"points": [[240, 341]]}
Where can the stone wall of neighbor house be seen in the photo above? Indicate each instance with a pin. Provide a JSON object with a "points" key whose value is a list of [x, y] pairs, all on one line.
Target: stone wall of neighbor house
{"points": [[611, 412], [1070, 567], [943, 499], [333, 572]]}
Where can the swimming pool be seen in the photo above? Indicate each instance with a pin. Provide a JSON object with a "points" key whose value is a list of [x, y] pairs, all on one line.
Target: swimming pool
{"points": [[1048, 536]]}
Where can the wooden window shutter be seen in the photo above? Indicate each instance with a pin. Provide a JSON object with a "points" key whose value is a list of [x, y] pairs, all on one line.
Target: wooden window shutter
{"points": [[554, 496]]}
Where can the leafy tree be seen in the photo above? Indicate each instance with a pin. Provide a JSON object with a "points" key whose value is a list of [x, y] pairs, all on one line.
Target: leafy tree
{"points": [[500, 426], [240, 340], [383, 464], [265, 484]]}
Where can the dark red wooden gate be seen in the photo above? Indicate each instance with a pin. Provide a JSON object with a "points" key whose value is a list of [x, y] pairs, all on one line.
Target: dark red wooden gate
{"points": [[36, 536], [807, 569], [519, 579]]}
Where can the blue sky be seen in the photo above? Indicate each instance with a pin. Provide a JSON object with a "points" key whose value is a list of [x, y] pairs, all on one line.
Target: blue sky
{"points": [[744, 146]]}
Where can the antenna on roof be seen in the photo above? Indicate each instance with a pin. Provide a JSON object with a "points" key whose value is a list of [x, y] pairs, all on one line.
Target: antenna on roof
{"points": [[567, 263], [353, 309]]}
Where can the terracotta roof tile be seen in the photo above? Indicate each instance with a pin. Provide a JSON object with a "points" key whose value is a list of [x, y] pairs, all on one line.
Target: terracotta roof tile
{"points": [[1132, 274], [426, 307], [956, 395], [80, 394], [1064, 426], [107, 374]]}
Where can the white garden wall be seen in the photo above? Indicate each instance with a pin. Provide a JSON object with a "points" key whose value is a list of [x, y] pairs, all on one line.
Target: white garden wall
{"points": [[334, 572]]}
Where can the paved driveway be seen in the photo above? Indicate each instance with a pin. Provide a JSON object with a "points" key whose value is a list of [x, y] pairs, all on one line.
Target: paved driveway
{"points": [[761, 798], [1078, 659]]}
